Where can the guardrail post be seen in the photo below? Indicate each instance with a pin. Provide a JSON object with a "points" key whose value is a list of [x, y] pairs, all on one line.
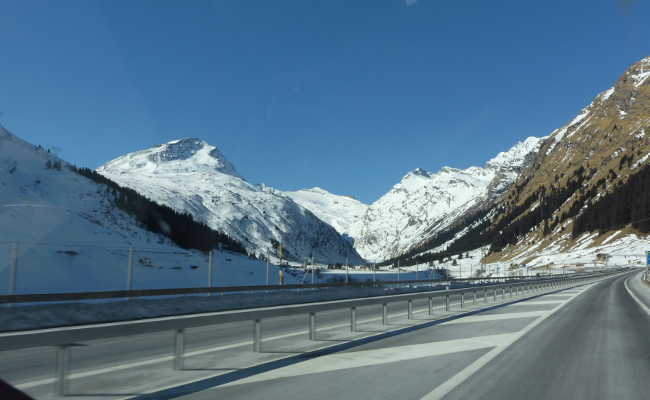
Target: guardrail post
{"points": [[462, 300], [179, 349], [430, 305], [384, 314], [257, 335], [447, 302], [474, 297], [495, 295], [62, 369], [410, 309], [353, 319], [312, 326], [485, 299]]}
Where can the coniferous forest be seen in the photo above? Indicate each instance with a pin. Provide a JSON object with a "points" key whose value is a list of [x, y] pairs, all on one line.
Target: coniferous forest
{"points": [[181, 228], [628, 203]]}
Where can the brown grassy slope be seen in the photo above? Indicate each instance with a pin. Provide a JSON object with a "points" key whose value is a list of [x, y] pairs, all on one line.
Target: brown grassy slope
{"points": [[614, 127]]}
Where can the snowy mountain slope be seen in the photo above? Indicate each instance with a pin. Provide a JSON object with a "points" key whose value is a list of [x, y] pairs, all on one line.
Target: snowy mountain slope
{"points": [[192, 176], [420, 205], [342, 212], [588, 177], [66, 230], [68, 235]]}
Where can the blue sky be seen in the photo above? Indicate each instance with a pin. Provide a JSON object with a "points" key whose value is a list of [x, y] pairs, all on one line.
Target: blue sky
{"points": [[348, 95]]}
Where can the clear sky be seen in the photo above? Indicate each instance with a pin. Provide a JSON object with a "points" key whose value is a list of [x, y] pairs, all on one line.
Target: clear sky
{"points": [[348, 95]]}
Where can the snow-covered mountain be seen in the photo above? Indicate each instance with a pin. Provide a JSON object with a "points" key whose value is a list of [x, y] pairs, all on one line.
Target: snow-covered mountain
{"points": [[342, 212], [193, 176], [420, 205], [67, 233]]}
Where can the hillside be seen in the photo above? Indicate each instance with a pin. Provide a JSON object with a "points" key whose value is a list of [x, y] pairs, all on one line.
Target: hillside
{"points": [[421, 206], [588, 178], [341, 212], [193, 177]]}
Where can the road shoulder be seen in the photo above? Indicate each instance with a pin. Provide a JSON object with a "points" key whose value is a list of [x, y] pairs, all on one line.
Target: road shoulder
{"points": [[639, 291]]}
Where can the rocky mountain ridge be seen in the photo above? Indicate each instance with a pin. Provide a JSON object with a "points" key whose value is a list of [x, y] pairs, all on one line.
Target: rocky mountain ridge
{"points": [[193, 176]]}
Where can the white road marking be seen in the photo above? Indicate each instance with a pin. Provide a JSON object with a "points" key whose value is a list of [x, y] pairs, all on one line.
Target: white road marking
{"points": [[449, 385], [367, 358], [541, 302], [639, 302], [494, 317]]}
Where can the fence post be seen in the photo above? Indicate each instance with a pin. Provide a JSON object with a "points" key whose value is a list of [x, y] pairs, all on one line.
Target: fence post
{"points": [[210, 271], [13, 262], [129, 272], [384, 314], [353, 319], [410, 309], [267, 268], [430, 305]]}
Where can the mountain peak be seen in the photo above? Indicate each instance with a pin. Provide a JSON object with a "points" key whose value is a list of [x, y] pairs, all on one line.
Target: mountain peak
{"points": [[187, 155], [516, 156], [417, 172], [638, 73]]}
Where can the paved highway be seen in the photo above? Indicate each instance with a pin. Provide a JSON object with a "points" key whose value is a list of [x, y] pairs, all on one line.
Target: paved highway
{"points": [[589, 342]]}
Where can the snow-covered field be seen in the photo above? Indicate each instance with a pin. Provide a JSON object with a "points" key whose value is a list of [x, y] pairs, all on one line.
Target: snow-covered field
{"points": [[79, 268]]}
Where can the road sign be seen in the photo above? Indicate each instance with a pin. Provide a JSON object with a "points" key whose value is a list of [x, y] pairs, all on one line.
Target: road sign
{"points": [[647, 261]]}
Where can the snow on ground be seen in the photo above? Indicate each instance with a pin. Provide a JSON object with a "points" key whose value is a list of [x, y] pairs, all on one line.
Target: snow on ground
{"points": [[621, 250], [59, 267], [339, 211]]}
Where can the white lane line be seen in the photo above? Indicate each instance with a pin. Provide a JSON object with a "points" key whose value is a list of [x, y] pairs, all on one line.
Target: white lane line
{"points": [[368, 358], [449, 385], [494, 317], [635, 298], [162, 359], [540, 302]]}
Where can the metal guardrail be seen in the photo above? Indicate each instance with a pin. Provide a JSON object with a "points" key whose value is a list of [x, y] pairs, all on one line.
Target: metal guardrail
{"points": [[65, 337], [115, 294]]}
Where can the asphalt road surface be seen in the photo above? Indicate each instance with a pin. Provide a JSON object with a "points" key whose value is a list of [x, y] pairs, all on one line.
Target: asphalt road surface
{"points": [[588, 342]]}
